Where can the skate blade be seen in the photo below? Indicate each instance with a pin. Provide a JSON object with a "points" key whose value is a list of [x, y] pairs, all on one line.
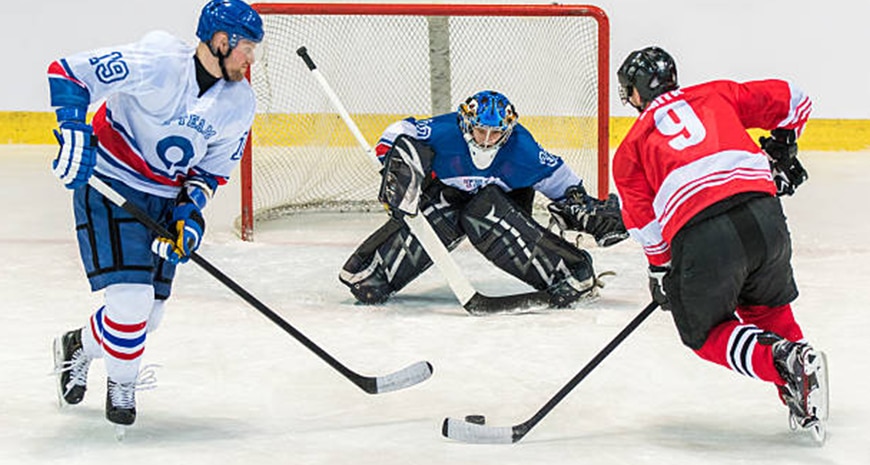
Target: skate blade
{"points": [[120, 433], [819, 431], [819, 398], [56, 349]]}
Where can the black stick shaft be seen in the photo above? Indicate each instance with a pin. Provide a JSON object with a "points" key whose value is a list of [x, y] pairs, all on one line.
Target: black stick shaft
{"points": [[521, 430], [363, 382]]}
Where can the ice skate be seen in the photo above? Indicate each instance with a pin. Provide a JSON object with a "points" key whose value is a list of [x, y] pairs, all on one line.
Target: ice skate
{"points": [[121, 406], [121, 399], [71, 367], [805, 393], [571, 290]]}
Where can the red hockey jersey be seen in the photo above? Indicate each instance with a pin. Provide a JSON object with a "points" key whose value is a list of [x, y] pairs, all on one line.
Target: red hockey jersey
{"points": [[689, 149]]}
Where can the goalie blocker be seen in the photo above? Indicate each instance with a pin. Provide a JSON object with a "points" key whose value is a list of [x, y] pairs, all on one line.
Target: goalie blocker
{"points": [[498, 224]]}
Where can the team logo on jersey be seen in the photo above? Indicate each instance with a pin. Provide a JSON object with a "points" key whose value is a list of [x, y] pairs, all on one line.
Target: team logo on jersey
{"points": [[199, 124], [423, 129], [547, 159], [175, 152]]}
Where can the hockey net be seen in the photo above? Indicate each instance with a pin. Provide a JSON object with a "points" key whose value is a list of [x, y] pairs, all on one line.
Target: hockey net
{"points": [[388, 62]]}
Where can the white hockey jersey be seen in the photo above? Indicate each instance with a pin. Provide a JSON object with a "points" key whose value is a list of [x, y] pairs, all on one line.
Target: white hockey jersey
{"points": [[153, 129]]}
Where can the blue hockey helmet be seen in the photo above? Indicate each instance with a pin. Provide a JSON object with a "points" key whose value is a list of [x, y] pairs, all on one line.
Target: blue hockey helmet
{"points": [[490, 110], [234, 17]]}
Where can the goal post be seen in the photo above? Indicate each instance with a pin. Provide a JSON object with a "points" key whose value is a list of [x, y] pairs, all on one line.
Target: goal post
{"points": [[391, 61]]}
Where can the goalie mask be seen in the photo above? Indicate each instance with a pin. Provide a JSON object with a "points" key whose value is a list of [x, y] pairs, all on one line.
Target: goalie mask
{"points": [[651, 71], [486, 120]]}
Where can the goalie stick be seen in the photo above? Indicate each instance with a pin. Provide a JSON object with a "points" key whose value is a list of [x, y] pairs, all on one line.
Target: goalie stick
{"points": [[466, 431], [472, 301], [406, 377]]}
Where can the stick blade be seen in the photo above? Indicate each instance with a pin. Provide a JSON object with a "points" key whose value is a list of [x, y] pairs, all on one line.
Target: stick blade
{"points": [[461, 430], [480, 305], [406, 377]]}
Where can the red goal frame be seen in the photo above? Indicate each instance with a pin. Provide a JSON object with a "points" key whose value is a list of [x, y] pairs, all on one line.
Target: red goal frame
{"points": [[594, 12]]}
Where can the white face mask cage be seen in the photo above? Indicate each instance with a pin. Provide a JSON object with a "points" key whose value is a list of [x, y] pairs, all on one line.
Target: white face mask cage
{"points": [[482, 157]]}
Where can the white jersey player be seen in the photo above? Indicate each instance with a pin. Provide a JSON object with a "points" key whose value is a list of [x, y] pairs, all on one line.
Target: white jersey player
{"points": [[170, 131]]}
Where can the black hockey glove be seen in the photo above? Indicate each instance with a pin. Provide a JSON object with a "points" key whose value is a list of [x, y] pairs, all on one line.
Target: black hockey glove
{"points": [[584, 213], [657, 276], [405, 168], [781, 148]]}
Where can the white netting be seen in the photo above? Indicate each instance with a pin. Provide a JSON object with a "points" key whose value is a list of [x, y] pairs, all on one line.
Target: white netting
{"points": [[385, 68]]}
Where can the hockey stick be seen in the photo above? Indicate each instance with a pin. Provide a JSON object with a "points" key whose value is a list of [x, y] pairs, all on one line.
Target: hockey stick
{"points": [[472, 301], [406, 377], [480, 434]]}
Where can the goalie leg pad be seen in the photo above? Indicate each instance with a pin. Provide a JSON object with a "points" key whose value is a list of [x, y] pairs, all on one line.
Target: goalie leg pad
{"points": [[513, 241], [392, 257]]}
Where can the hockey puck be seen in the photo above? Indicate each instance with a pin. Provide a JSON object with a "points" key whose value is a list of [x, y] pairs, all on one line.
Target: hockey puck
{"points": [[476, 419]]}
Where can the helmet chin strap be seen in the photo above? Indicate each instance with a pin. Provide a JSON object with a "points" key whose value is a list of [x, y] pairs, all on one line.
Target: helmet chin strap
{"points": [[221, 57]]}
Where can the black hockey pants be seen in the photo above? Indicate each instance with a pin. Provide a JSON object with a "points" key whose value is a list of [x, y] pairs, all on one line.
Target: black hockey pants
{"points": [[739, 257]]}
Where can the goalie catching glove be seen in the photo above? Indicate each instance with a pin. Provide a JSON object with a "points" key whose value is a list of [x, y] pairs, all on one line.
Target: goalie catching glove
{"points": [[781, 149], [189, 224], [584, 213], [405, 168]]}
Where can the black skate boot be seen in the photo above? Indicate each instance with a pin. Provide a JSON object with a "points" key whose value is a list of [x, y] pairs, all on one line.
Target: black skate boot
{"points": [[805, 372], [121, 403], [569, 290], [71, 366], [367, 281]]}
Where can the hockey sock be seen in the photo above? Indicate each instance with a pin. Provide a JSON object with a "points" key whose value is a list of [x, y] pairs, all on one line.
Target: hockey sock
{"points": [[735, 346], [120, 328], [779, 320]]}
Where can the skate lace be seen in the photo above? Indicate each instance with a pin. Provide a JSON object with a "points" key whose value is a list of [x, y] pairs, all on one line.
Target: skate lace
{"points": [[77, 366], [123, 395], [800, 379]]}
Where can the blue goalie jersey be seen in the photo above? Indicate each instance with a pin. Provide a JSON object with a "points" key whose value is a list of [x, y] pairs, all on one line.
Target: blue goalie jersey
{"points": [[520, 163]]}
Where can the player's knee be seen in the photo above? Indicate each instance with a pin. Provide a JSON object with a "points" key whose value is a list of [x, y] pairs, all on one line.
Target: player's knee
{"points": [[692, 336], [156, 315], [129, 303], [366, 279]]}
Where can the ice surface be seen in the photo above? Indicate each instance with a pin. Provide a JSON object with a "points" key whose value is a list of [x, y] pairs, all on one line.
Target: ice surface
{"points": [[234, 388]]}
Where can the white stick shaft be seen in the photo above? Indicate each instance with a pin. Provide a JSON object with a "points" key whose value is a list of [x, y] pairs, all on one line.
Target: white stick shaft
{"points": [[345, 116], [418, 224]]}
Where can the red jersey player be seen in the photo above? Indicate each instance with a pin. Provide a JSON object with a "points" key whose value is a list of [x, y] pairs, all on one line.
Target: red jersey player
{"points": [[702, 199]]}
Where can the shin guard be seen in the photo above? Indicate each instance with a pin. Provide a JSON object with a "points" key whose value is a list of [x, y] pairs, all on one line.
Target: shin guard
{"points": [[512, 240]]}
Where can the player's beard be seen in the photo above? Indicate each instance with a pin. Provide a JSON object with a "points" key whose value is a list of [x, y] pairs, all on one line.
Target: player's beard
{"points": [[235, 75]]}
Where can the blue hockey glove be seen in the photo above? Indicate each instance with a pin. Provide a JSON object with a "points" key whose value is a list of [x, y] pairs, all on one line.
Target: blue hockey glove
{"points": [[189, 229], [657, 276], [77, 155]]}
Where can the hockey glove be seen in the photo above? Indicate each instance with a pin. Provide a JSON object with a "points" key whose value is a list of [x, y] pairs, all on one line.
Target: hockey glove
{"points": [[657, 276], [581, 212], [405, 169], [77, 155], [189, 228], [781, 149]]}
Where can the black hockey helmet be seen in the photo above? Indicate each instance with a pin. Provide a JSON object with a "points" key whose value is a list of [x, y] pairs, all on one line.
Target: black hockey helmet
{"points": [[651, 71]]}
